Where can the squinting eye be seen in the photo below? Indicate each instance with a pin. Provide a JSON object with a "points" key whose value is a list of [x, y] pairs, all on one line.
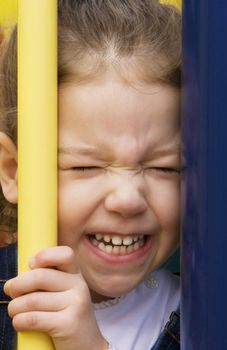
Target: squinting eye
{"points": [[166, 170], [86, 171], [84, 168]]}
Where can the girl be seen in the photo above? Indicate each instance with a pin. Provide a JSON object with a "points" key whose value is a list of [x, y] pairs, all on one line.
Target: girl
{"points": [[119, 178]]}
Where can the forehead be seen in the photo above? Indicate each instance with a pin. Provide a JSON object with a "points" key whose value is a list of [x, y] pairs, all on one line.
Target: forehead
{"points": [[111, 111]]}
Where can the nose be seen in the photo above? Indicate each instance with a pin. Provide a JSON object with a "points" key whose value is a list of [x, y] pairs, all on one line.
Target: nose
{"points": [[126, 199]]}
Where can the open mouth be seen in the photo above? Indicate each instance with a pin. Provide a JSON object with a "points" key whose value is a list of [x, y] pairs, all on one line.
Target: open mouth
{"points": [[116, 244]]}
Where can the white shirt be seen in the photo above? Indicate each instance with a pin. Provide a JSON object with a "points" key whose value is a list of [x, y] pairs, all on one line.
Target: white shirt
{"points": [[134, 321]]}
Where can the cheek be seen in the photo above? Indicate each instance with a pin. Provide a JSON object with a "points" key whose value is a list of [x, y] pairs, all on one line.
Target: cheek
{"points": [[167, 210], [166, 204], [77, 202], [72, 214], [68, 205]]}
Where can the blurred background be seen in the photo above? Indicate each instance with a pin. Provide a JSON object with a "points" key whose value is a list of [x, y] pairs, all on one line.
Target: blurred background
{"points": [[8, 16]]}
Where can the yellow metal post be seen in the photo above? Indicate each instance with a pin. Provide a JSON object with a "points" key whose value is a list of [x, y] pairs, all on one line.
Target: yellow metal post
{"points": [[177, 3], [37, 138]]}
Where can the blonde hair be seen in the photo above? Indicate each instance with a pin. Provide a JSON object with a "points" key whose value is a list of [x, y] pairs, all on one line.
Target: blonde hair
{"points": [[142, 33], [143, 36]]}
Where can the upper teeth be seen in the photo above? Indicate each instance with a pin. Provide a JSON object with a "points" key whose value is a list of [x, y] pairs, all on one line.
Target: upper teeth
{"points": [[118, 240]]}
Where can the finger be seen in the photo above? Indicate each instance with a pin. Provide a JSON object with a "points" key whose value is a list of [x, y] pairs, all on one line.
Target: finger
{"points": [[41, 280], [38, 301], [61, 257], [39, 321], [6, 287]]}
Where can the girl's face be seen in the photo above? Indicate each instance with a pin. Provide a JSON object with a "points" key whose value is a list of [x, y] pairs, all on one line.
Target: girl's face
{"points": [[119, 180]]}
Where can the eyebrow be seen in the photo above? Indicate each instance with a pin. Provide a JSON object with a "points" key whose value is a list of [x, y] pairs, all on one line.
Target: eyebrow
{"points": [[80, 150], [167, 151], [100, 153]]}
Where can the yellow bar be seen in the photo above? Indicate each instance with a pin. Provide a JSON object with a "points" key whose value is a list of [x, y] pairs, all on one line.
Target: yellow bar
{"points": [[37, 138], [177, 3]]}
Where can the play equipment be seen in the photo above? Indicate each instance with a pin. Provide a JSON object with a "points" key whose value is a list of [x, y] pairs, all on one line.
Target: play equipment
{"points": [[204, 190], [177, 3], [37, 139]]}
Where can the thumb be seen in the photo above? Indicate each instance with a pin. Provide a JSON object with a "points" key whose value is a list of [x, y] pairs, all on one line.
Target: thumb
{"points": [[61, 258]]}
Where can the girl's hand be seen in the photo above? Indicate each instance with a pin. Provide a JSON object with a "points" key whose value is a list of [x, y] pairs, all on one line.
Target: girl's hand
{"points": [[54, 298]]}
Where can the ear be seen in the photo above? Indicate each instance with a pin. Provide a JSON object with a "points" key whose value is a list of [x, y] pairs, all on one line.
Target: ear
{"points": [[8, 168]]}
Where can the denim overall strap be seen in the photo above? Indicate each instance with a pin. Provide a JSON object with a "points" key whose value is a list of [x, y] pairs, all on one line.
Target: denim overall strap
{"points": [[8, 269], [169, 339]]}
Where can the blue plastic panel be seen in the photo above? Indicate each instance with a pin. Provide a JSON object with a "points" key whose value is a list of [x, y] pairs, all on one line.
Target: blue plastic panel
{"points": [[204, 243]]}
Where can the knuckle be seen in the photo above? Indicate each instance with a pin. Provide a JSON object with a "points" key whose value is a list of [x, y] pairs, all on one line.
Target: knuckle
{"points": [[39, 275], [32, 321], [32, 302], [41, 258], [27, 321]]}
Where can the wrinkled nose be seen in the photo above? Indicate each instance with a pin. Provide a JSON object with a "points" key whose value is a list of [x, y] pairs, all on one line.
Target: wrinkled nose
{"points": [[127, 200]]}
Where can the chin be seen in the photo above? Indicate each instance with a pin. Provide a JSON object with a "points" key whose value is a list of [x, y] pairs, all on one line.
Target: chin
{"points": [[112, 289]]}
